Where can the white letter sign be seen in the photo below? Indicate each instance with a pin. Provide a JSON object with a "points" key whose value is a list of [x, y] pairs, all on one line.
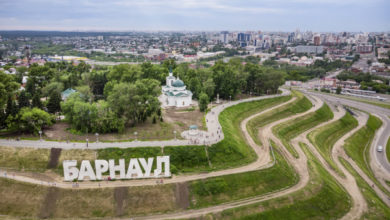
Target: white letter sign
{"points": [[136, 169]]}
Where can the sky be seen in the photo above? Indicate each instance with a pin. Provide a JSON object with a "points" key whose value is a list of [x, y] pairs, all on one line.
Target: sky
{"points": [[195, 15]]}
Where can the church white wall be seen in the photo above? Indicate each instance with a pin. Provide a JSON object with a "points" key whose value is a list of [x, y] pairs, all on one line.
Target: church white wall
{"points": [[179, 101]]}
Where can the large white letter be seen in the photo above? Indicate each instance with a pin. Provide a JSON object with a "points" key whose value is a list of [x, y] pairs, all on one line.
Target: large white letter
{"points": [[134, 168], [86, 170], [160, 160], [101, 166], [120, 168], [147, 166], [70, 170]]}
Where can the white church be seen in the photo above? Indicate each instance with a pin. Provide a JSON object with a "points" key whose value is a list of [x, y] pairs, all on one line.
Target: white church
{"points": [[175, 93]]}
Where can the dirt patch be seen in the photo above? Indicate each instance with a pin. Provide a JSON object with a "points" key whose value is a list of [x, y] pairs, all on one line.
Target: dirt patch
{"points": [[120, 195], [182, 195], [55, 154], [46, 177], [49, 204], [182, 119]]}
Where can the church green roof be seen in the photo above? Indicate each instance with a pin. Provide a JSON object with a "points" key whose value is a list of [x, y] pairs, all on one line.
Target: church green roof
{"points": [[178, 83], [65, 94]]}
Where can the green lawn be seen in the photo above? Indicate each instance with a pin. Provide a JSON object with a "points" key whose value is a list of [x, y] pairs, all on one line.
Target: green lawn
{"points": [[322, 198], [291, 129], [187, 158], [357, 147], [233, 150], [377, 209], [227, 188], [302, 104], [325, 137], [388, 149]]}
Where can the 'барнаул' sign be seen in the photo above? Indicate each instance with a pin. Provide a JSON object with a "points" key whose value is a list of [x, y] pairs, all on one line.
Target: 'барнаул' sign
{"points": [[134, 171]]}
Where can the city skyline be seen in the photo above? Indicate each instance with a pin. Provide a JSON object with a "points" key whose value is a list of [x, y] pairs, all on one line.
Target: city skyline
{"points": [[191, 15]]}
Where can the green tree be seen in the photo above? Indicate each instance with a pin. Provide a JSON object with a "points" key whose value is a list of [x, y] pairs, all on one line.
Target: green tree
{"points": [[125, 73], [12, 109], [209, 87], [338, 90], [135, 101], [52, 87], [203, 102], [23, 100], [8, 87], [96, 80], [36, 101], [94, 117], [54, 104], [32, 120]]}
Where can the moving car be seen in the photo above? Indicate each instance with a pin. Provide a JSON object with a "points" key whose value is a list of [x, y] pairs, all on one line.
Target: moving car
{"points": [[380, 148]]}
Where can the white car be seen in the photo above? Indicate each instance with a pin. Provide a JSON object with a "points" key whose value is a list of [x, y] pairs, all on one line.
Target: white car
{"points": [[380, 148]]}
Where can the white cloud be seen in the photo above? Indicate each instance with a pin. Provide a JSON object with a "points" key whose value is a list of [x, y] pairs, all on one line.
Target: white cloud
{"points": [[215, 5]]}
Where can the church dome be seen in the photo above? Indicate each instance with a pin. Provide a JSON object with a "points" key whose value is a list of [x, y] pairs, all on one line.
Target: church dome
{"points": [[178, 83]]}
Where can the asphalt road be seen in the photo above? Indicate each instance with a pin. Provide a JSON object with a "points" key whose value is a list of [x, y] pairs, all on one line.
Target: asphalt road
{"points": [[381, 136]]}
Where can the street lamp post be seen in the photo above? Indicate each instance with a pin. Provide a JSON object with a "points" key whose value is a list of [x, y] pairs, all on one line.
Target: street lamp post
{"points": [[135, 133], [40, 135], [97, 137], [175, 134]]}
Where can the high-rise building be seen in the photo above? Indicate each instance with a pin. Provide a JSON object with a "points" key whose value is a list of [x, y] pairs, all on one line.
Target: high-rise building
{"points": [[291, 37], [243, 39], [364, 48], [317, 40], [309, 49], [225, 37]]}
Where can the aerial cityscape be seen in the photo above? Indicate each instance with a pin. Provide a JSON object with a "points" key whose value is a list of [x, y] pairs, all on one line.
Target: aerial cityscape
{"points": [[167, 109]]}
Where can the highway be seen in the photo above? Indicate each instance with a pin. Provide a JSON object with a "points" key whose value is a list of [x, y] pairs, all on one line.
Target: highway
{"points": [[381, 136]]}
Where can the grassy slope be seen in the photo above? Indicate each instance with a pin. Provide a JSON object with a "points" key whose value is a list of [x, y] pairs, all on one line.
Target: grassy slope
{"points": [[24, 199], [325, 137], [24, 158], [388, 149], [291, 129], [322, 198], [302, 104], [357, 147], [376, 208], [233, 150], [227, 188]]}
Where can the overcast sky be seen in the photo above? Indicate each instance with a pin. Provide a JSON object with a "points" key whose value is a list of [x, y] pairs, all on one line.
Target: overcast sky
{"points": [[125, 15]]}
